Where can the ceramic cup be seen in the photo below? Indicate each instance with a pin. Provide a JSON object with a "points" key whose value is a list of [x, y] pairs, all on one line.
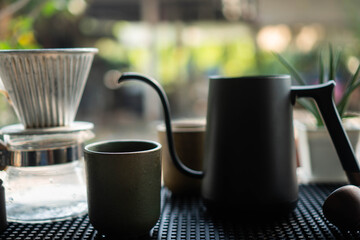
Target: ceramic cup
{"points": [[123, 186], [189, 137]]}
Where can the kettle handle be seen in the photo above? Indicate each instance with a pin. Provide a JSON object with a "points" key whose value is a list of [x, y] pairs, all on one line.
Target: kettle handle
{"points": [[322, 94], [165, 103]]}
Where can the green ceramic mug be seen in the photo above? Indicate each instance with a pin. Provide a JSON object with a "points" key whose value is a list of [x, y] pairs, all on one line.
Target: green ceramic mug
{"points": [[123, 186]]}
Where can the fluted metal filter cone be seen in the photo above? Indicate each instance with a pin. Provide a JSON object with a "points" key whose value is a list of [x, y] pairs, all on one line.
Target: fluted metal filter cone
{"points": [[45, 86]]}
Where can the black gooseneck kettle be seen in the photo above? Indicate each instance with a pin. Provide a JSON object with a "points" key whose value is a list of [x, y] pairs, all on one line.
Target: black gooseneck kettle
{"points": [[249, 164]]}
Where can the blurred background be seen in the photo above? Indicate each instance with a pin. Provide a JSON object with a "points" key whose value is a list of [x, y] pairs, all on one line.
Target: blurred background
{"points": [[180, 43]]}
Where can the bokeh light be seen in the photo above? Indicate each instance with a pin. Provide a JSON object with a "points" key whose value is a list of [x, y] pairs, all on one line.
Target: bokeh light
{"points": [[308, 37], [274, 38]]}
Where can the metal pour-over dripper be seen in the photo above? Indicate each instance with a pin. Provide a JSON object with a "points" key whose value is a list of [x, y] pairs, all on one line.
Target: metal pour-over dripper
{"points": [[45, 85], [42, 156]]}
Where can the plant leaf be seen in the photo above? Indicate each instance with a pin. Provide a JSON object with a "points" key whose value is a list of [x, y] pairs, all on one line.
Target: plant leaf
{"points": [[342, 106], [337, 58], [354, 79], [351, 115], [331, 63], [334, 62], [350, 87], [354, 82], [296, 75]]}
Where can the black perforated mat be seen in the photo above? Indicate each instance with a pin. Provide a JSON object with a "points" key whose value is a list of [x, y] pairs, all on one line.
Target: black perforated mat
{"points": [[186, 218]]}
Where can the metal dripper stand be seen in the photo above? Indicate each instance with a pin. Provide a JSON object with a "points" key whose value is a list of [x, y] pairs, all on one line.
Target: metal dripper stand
{"points": [[43, 158]]}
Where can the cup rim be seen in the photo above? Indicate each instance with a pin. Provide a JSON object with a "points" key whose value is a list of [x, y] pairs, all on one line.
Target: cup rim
{"points": [[50, 51], [183, 126], [253, 77], [157, 146]]}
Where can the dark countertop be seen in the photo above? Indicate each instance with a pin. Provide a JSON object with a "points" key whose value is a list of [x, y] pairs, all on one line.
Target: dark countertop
{"points": [[186, 218]]}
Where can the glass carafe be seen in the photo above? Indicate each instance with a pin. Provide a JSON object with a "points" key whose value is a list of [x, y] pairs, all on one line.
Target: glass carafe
{"points": [[44, 178]]}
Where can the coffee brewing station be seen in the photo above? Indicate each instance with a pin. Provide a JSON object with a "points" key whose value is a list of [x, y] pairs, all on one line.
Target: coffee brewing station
{"points": [[42, 156]]}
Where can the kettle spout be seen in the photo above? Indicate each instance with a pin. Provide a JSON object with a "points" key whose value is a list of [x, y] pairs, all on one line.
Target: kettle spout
{"points": [[161, 92]]}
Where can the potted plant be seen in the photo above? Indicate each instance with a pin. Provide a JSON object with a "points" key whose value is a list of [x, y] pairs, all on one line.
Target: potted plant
{"points": [[317, 156]]}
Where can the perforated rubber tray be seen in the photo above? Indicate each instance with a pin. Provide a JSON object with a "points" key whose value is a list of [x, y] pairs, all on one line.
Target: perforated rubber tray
{"points": [[186, 218]]}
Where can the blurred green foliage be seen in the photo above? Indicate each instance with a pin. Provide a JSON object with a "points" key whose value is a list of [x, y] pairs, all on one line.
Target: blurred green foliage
{"points": [[175, 61], [20, 34], [17, 31], [19, 17], [175, 53]]}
